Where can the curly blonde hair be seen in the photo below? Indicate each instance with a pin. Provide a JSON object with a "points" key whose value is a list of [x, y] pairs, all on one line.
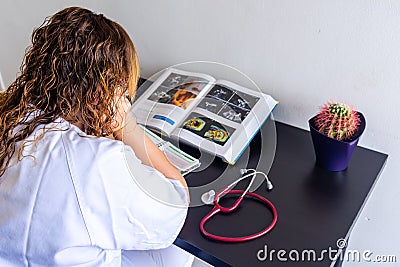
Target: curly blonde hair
{"points": [[78, 64]]}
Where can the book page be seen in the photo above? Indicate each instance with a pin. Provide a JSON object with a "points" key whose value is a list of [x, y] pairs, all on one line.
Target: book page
{"points": [[228, 117], [168, 100]]}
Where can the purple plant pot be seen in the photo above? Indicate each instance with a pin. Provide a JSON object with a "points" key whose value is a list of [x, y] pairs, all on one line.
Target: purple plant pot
{"points": [[332, 154]]}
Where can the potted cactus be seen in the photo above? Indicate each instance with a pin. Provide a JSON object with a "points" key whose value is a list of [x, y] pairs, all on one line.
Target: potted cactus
{"points": [[335, 132]]}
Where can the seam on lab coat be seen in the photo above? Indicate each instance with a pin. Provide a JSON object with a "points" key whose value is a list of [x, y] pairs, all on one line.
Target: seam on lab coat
{"points": [[75, 188], [109, 209], [30, 222]]}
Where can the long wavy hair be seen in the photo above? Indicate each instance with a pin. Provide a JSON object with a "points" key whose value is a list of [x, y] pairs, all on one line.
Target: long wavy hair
{"points": [[78, 64]]}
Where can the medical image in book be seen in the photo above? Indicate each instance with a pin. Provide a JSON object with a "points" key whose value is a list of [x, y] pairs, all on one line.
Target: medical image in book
{"points": [[208, 128], [211, 104], [217, 134], [238, 107], [178, 90], [180, 96], [216, 99], [174, 80], [195, 124], [250, 100], [229, 104], [221, 93]]}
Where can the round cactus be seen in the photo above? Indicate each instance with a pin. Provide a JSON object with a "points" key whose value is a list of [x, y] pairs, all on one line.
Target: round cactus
{"points": [[337, 120]]}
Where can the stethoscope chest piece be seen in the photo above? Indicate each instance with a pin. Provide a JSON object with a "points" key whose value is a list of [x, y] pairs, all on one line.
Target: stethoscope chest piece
{"points": [[211, 197]]}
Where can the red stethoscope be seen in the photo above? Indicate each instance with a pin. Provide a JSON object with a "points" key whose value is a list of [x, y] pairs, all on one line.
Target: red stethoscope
{"points": [[212, 198]]}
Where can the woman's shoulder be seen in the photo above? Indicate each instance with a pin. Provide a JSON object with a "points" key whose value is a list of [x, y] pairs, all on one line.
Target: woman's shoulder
{"points": [[81, 145]]}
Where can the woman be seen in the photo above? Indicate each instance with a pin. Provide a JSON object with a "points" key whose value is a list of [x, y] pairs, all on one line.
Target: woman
{"points": [[69, 193]]}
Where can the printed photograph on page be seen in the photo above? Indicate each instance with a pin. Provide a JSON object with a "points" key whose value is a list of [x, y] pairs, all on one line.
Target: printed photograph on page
{"points": [[208, 128], [178, 90], [228, 103]]}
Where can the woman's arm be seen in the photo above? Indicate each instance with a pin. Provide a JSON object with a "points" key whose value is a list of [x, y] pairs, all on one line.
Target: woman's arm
{"points": [[131, 134]]}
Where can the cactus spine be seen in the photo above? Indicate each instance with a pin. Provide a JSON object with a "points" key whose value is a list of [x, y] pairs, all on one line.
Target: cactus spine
{"points": [[337, 120]]}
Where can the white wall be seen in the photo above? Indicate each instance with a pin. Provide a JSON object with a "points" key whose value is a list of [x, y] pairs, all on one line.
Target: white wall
{"points": [[18, 19], [304, 53]]}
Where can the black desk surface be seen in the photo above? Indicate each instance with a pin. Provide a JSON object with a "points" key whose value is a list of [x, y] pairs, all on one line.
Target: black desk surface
{"points": [[315, 207]]}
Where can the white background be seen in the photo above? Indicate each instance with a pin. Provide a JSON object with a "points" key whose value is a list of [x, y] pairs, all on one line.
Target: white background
{"points": [[303, 53]]}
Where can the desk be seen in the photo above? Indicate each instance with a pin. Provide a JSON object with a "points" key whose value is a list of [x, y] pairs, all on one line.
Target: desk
{"points": [[316, 207]]}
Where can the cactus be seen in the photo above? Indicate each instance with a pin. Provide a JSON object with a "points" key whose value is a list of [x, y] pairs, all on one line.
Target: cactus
{"points": [[337, 120]]}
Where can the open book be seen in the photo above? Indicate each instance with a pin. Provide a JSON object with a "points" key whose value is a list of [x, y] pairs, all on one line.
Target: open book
{"points": [[217, 116]]}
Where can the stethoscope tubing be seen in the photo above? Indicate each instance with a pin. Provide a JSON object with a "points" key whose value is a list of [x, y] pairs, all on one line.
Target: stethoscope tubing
{"points": [[218, 208]]}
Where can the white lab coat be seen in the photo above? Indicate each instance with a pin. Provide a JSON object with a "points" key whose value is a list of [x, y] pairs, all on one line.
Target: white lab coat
{"points": [[76, 200]]}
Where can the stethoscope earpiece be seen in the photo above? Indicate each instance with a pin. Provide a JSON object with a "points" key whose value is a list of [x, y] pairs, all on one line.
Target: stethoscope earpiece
{"points": [[254, 172], [269, 185]]}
